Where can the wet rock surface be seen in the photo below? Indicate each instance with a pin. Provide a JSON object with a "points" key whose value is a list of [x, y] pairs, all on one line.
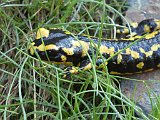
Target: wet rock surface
{"points": [[145, 88], [143, 9]]}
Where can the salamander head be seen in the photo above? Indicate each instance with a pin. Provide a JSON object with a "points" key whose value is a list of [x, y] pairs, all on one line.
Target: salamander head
{"points": [[56, 45]]}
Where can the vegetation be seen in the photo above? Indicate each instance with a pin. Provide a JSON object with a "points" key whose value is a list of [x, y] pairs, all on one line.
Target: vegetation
{"points": [[34, 89]]}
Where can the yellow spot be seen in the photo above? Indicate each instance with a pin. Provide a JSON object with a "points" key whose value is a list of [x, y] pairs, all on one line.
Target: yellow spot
{"points": [[88, 67], [118, 31], [68, 51], [40, 47], [149, 53], [134, 24], [32, 44], [51, 47], [123, 30], [155, 47], [157, 23], [142, 50], [85, 46], [158, 65], [103, 49], [76, 43], [128, 51], [31, 48], [146, 28], [42, 32], [137, 36], [119, 58], [73, 70], [134, 54], [140, 65], [115, 73], [63, 58], [111, 51], [151, 35]]}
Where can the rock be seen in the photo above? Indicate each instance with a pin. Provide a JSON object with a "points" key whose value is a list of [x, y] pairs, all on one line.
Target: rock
{"points": [[146, 88]]}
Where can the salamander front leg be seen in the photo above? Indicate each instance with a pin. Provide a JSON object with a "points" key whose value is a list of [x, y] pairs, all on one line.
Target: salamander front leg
{"points": [[84, 65], [87, 65]]}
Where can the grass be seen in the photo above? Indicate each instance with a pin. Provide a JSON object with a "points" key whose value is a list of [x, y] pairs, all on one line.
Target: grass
{"points": [[34, 89]]}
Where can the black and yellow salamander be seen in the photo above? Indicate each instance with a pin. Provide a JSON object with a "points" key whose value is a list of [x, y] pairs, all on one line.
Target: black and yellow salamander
{"points": [[121, 56], [148, 25]]}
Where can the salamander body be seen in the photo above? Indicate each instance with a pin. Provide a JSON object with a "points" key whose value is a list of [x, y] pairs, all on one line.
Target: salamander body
{"points": [[121, 56]]}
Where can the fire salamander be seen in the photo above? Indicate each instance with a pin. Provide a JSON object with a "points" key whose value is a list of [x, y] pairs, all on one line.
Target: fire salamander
{"points": [[121, 56], [148, 25]]}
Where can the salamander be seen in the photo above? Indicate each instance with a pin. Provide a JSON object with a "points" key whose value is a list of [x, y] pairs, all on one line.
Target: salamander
{"points": [[148, 25], [121, 56]]}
